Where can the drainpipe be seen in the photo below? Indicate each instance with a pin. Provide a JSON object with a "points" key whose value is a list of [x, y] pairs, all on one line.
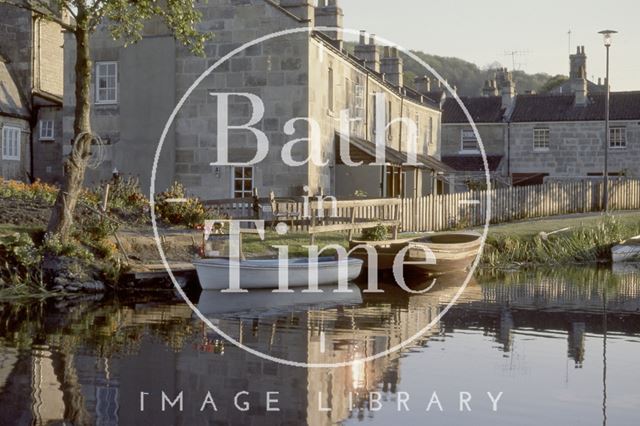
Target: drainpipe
{"points": [[509, 149]]}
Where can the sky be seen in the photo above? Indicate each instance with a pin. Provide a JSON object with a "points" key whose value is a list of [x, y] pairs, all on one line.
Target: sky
{"points": [[482, 31]]}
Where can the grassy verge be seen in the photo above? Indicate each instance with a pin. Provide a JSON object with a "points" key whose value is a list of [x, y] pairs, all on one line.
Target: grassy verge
{"points": [[587, 240]]}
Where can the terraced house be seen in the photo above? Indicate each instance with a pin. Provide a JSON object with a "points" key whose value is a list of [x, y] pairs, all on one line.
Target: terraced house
{"points": [[308, 74], [30, 96], [534, 138]]}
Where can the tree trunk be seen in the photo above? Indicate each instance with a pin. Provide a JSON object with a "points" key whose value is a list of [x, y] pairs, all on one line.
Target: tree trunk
{"points": [[61, 221]]}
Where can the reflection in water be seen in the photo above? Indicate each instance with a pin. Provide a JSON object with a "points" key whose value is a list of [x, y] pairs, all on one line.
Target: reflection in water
{"points": [[87, 361]]}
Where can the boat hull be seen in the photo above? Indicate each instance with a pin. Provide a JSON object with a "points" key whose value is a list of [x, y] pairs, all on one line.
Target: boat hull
{"points": [[386, 251], [213, 274], [453, 251], [627, 251]]}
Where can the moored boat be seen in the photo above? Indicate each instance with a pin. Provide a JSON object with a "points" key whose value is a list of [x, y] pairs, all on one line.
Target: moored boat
{"points": [[213, 274], [627, 251], [386, 251], [452, 251]]}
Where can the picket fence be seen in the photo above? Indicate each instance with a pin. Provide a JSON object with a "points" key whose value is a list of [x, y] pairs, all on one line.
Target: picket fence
{"points": [[461, 210]]}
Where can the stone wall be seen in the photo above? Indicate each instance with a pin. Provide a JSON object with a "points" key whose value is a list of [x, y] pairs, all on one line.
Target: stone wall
{"points": [[576, 149], [276, 71], [130, 128], [48, 57], [15, 36], [47, 154]]}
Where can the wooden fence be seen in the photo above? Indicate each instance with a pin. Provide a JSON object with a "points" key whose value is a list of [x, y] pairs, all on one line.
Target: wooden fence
{"points": [[461, 210]]}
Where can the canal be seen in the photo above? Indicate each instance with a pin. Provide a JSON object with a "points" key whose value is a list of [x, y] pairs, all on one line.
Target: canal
{"points": [[529, 347]]}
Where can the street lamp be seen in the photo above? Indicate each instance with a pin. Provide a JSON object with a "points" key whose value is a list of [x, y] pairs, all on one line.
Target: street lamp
{"points": [[607, 35]]}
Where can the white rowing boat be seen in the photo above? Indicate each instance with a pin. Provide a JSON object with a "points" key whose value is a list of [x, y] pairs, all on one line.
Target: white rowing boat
{"points": [[213, 274], [627, 251]]}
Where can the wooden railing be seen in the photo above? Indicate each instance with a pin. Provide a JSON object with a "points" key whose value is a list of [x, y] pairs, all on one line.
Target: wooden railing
{"points": [[447, 211]]}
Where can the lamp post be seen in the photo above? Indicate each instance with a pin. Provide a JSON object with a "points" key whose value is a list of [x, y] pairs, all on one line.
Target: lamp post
{"points": [[607, 35]]}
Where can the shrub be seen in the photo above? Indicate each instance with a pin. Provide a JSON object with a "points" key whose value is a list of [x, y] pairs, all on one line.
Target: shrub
{"points": [[19, 260], [379, 233], [190, 213], [28, 191], [53, 245]]}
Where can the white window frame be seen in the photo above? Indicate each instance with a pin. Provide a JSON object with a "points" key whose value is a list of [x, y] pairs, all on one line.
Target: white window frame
{"points": [[243, 192], [622, 142], [11, 142], [47, 130], [99, 100], [538, 138], [467, 138]]}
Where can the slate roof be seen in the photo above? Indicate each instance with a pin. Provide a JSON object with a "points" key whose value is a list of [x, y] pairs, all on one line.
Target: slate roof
{"points": [[482, 109], [537, 108], [11, 101], [471, 163], [364, 150]]}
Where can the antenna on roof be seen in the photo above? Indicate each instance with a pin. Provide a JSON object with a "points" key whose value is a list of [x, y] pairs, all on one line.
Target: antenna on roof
{"points": [[569, 35], [514, 54]]}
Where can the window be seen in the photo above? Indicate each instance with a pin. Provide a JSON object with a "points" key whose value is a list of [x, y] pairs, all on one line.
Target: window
{"points": [[540, 139], [46, 130], [106, 82], [330, 88], [618, 137], [428, 134], [11, 143], [469, 141], [242, 182]]}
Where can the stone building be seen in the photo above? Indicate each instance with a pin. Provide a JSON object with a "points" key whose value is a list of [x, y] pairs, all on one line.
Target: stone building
{"points": [[302, 75], [30, 96], [532, 138], [460, 147]]}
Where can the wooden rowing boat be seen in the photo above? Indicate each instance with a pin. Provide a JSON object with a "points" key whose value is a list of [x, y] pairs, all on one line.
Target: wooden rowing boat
{"points": [[452, 251], [386, 251], [627, 251], [443, 252]]}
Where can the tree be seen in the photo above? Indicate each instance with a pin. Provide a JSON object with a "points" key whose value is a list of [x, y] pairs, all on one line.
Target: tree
{"points": [[125, 19]]}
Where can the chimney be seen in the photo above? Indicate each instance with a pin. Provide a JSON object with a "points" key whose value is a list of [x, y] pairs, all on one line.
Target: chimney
{"points": [[423, 84], [490, 88], [368, 52], [303, 9], [329, 14], [506, 85], [391, 65], [578, 64], [579, 89], [578, 76]]}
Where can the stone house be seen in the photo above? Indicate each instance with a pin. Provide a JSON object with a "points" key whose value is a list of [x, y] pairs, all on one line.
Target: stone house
{"points": [[533, 138], [460, 147], [302, 75], [30, 96]]}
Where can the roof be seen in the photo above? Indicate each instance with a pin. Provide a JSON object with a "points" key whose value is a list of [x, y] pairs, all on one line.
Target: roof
{"points": [[364, 150], [11, 101], [536, 108], [472, 163], [486, 109]]}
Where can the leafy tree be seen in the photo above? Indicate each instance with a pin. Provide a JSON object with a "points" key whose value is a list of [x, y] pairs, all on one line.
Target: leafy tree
{"points": [[553, 82], [125, 19]]}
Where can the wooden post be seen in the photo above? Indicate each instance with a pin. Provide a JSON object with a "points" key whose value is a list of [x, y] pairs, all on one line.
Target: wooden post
{"points": [[353, 221], [105, 198]]}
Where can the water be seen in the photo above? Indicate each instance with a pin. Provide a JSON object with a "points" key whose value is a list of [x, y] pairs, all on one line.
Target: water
{"points": [[550, 346]]}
